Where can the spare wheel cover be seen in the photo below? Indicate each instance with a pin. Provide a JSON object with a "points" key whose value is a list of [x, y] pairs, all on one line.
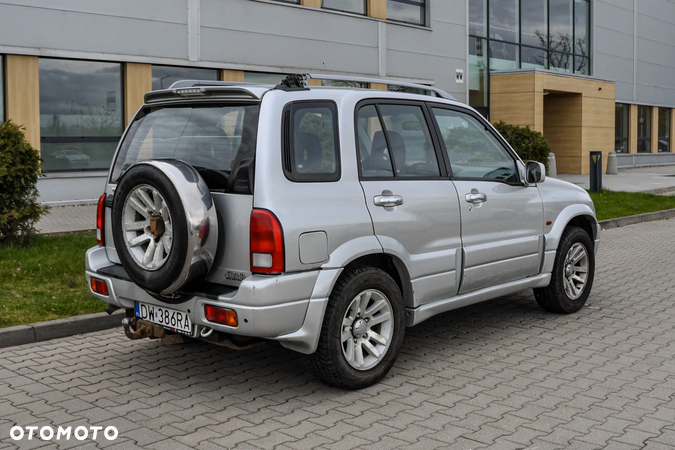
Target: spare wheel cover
{"points": [[164, 225]]}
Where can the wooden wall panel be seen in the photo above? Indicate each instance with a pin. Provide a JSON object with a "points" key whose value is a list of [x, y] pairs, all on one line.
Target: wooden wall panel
{"points": [[655, 130], [377, 9], [23, 94], [137, 81], [633, 132], [312, 3], [232, 75]]}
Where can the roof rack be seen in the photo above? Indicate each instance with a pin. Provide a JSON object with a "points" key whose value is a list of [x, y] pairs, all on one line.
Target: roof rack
{"points": [[299, 82], [432, 90], [196, 83]]}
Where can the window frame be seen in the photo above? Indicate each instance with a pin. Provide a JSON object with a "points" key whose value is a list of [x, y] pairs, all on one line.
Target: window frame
{"points": [[419, 3], [363, 14], [440, 158], [624, 139], [288, 156], [488, 128]]}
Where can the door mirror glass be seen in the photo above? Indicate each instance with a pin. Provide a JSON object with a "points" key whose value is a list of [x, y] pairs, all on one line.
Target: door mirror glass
{"points": [[536, 172]]}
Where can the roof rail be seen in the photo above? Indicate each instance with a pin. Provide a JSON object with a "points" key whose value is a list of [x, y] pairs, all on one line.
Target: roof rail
{"points": [[432, 90], [196, 83]]}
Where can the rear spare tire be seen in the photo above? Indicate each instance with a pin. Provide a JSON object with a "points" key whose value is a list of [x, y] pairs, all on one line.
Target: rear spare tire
{"points": [[164, 225]]}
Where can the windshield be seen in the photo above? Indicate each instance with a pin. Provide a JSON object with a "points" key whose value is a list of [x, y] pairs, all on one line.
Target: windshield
{"points": [[214, 139]]}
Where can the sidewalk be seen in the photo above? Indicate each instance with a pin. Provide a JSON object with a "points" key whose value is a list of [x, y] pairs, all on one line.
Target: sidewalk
{"points": [[656, 180]]}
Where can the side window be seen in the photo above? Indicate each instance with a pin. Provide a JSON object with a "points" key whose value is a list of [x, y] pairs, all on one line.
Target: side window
{"points": [[311, 151], [396, 142], [472, 150]]}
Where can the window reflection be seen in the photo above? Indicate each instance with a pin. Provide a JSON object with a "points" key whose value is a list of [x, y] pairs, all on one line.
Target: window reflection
{"points": [[353, 6], [477, 17], [264, 77], [503, 56], [581, 25], [81, 116], [504, 20], [408, 11], [478, 72], [644, 129], [533, 23], [622, 115], [164, 76], [560, 32]]}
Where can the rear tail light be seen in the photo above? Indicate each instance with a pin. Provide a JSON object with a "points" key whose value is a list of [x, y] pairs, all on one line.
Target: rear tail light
{"points": [[100, 220], [267, 243], [221, 315], [99, 286]]}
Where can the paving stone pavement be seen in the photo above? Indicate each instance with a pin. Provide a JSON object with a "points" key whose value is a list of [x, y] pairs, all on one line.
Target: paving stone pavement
{"points": [[499, 375], [65, 219]]}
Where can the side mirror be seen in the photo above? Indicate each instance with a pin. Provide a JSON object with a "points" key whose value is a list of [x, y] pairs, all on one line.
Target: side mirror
{"points": [[535, 172]]}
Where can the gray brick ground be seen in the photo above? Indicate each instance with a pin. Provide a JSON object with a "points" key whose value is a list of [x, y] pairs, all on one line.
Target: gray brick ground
{"points": [[501, 375]]}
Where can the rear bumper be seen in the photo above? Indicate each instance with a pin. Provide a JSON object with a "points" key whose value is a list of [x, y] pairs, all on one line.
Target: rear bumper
{"points": [[271, 307]]}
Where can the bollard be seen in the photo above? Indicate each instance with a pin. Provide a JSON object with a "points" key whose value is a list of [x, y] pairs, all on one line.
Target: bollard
{"points": [[596, 171], [612, 164], [552, 170]]}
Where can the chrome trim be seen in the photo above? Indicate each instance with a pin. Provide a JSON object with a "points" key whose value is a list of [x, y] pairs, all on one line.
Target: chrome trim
{"points": [[439, 92]]}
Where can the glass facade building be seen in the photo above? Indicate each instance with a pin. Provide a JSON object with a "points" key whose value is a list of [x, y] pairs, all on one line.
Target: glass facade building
{"points": [[518, 34]]}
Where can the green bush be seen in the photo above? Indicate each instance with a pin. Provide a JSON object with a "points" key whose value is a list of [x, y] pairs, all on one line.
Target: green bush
{"points": [[19, 171], [530, 145]]}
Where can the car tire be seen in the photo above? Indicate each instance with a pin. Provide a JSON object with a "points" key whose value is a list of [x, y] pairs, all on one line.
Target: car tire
{"points": [[365, 316], [572, 276], [164, 225]]}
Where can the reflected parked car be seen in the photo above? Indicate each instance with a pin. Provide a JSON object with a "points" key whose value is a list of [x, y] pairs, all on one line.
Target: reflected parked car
{"points": [[71, 158]]}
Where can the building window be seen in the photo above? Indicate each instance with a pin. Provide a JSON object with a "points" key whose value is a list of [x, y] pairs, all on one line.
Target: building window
{"points": [[264, 77], [295, 2], [664, 129], [478, 73], [546, 34], [81, 113], [644, 129], [2, 90], [164, 76], [352, 6], [407, 11], [622, 121]]}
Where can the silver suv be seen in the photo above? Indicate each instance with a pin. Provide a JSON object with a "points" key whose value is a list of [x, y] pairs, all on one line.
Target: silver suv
{"points": [[328, 219]]}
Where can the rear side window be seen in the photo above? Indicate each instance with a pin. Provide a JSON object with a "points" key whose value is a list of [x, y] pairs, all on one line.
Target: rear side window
{"points": [[310, 138], [216, 140]]}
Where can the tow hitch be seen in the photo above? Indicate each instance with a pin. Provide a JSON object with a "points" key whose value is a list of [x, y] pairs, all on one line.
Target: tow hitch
{"points": [[136, 328]]}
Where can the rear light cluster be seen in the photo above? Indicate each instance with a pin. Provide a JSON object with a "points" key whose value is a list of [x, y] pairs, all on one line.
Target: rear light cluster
{"points": [[267, 243], [100, 221], [221, 315], [99, 286]]}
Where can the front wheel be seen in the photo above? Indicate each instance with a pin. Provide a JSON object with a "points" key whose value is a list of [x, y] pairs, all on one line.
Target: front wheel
{"points": [[362, 330], [572, 277]]}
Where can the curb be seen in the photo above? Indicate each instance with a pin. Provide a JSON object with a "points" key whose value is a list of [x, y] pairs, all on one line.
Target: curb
{"points": [[53, 329], [639, 218]]}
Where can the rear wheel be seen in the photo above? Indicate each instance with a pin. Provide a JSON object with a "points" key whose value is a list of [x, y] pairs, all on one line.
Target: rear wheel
{"points": [[362, 330], [572, 276]]}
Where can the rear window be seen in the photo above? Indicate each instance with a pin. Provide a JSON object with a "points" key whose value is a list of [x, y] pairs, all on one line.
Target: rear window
{"points": [[219, 141]]}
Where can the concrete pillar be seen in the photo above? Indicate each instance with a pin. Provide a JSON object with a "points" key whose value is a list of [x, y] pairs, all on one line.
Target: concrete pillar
{"points": [[552, 169], [612, 164]]}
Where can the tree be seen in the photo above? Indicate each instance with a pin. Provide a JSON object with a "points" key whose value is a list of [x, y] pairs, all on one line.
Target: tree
{"points": [[20, 167], [529, 144]]}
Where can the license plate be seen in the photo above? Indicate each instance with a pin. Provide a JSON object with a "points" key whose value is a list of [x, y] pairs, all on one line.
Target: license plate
{"points": [[166, 317]]}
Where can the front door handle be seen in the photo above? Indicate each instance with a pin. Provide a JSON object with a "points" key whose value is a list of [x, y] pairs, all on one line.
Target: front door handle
{"points": [[388, 200], [476, 198]]}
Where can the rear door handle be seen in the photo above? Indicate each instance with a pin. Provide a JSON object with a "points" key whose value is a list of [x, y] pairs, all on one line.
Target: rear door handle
{"points": [[388, 200], [476, 198]]}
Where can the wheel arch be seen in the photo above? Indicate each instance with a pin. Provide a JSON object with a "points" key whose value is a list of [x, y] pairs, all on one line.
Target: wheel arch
{"points": [[394, 267], [578, 215]]}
